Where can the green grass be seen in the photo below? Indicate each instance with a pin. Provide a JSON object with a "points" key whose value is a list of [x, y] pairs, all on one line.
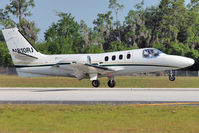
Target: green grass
{"points": [[98, 119], [133, 82]]}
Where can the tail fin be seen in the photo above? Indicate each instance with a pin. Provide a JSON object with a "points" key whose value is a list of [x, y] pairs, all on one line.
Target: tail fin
{"points": [[20, 49]]}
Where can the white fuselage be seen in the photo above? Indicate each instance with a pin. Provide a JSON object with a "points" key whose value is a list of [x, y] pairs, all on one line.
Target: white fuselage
{"points": [[59, 65]]}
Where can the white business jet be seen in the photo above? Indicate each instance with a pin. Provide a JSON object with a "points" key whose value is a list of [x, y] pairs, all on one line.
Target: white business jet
{"points": [[30, 63]]}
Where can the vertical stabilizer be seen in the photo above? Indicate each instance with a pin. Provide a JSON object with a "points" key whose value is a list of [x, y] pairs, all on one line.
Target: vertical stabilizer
{"points": [[19, 48]]}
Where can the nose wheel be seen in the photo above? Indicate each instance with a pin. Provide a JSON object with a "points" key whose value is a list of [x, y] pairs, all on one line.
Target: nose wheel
{"points": [[172, 76], [96, 83]]}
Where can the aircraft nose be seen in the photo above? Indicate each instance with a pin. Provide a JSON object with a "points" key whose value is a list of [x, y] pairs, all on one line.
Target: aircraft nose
{"points": [[180, 61], [187, 62]]}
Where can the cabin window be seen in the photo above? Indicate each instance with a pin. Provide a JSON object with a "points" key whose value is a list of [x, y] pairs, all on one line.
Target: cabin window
{"points": [[106, 58], [128, 56], [121, 57], [113, 57]]}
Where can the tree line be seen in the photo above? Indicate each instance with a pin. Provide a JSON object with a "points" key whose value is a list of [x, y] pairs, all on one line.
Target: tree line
{"points": [[171, 26]]}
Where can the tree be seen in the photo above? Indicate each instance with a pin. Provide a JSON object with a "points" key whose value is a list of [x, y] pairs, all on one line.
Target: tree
{"points": [[20, 9], [1, 37], [116, 7], [192, 33], [5, 58], [104, 22], [137, 22], [85, 33], [5, 19], [93, 39], [29, 30], [94, 49], [97, 38], [173, 19], [64, 36], [104, 27], [117, 46]]}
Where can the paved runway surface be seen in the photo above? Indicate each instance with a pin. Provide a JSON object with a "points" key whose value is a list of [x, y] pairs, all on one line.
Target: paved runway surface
{"points": [[99, 95]]}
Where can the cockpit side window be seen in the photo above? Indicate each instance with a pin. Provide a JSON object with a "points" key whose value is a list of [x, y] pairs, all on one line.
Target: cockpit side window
{"points": [[151, 53]]}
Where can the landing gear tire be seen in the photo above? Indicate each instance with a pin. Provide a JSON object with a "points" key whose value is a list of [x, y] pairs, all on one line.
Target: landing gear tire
{"points": [[96, 83], [172, 78], [172, 75], [111, 83]]}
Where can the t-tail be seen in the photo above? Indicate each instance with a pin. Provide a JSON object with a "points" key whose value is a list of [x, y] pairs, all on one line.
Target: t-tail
{"points": [[21, 50]]}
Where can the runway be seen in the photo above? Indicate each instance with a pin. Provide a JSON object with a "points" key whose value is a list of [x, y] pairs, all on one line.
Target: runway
{"points": [[99, 96]]}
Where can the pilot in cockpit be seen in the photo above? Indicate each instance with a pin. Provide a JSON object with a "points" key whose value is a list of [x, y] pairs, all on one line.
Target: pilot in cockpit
{"points": [[154, 52], [146, 53], [150, 53]]}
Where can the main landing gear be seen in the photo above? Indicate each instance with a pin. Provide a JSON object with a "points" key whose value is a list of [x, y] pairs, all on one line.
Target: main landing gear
{"points": [[171, 76], [111, 83], [96, 83]]}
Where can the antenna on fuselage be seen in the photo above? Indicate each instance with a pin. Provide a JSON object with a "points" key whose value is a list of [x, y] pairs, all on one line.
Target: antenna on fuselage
{"points": [[89, 60]]}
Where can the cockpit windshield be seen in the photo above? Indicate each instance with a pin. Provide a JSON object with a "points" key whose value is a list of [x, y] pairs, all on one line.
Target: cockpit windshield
{"points": [[151, 53]]}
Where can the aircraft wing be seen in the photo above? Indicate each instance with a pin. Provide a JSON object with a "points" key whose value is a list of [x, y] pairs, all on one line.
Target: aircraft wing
{"points": [[88, 69], [81, 70]]}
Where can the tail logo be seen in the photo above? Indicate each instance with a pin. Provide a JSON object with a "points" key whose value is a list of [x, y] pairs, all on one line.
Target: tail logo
{"points": [[23, 50]]}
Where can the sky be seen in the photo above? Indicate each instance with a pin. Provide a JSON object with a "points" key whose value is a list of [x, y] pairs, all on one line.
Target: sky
{"points": [[44, 13]]}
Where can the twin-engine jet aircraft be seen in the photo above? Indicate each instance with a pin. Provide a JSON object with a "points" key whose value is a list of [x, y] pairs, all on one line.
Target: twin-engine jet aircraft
{"points": [[30, 63]]}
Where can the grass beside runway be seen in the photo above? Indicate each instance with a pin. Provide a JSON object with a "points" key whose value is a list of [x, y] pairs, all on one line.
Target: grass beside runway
{"points": [[123, 82], [98, 119]]}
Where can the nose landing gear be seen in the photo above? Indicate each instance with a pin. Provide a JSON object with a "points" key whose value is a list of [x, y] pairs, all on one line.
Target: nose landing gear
{"points": [[171, 76]]}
